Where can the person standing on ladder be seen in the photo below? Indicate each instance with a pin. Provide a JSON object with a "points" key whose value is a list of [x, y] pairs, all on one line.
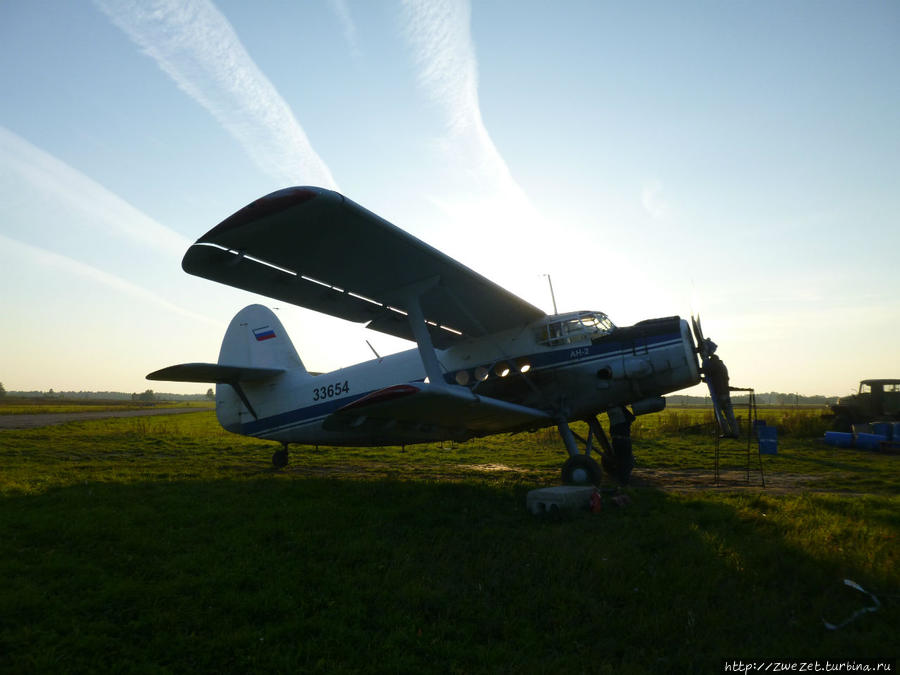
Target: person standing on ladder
{"points": [[717, 378]]}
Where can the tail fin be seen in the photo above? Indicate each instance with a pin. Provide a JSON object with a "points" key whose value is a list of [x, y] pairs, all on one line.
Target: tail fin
{"points": [[257, 368], [257, 341], [255, 338]]}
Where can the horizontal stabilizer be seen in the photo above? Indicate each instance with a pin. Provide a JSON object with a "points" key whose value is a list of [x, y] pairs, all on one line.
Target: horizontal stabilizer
{"points": [[212, 372], [455, 409]]}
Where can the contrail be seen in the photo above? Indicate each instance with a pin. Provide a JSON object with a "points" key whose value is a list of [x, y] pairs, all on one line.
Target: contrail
{"points": [[440, 36], [59, 262], [478, 195], [44, 200], [23, 165], [342, 12], [195, 45]]}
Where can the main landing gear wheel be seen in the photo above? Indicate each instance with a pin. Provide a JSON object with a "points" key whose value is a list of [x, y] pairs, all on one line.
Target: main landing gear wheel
{"points": [[280, 458], [581, 470]]}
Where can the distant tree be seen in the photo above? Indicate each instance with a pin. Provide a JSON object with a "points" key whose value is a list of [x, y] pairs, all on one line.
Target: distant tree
{"points": [[146, 396], [2, 390], [210, 394]]}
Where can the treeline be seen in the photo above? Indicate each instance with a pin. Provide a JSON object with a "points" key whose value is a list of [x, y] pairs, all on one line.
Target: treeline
{"points": [[148, 395], [767, 398]]}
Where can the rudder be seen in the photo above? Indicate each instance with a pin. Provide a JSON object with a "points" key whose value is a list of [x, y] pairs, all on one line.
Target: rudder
{"points": [[256, 338]]}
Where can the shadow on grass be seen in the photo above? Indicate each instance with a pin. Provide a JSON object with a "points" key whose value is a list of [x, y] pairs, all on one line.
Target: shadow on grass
{"points": [[304, 574], [825, 462]]}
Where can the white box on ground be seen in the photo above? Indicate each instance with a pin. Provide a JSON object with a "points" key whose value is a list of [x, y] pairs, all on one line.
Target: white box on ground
{"points": [[561, 497]]}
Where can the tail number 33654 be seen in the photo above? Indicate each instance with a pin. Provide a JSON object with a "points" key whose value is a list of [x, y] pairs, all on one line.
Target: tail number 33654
{"points": [[332, 390]]}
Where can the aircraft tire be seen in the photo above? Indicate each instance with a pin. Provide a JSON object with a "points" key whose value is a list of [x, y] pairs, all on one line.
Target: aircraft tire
{"points": [[280, 459], [581, 470]]}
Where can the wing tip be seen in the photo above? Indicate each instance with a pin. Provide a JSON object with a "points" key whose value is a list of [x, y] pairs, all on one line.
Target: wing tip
{"points": [[268, 205]]}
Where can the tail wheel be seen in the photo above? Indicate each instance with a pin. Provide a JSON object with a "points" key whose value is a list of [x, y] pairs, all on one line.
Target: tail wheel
{"points": [[581, 470]]}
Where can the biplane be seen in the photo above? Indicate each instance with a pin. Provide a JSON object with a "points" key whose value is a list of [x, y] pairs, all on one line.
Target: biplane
{"points": [[485, 360]]}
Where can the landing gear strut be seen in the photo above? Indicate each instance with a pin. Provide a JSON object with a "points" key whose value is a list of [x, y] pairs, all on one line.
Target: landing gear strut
{"points": [[617, 457], [280, 457], [579, 469]]}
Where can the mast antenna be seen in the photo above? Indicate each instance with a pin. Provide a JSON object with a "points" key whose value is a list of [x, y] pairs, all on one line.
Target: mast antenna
{"points": [[552, 296]]}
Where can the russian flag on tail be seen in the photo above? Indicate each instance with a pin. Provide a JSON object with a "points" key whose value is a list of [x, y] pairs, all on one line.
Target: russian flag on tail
{"points": [[263, 333]]}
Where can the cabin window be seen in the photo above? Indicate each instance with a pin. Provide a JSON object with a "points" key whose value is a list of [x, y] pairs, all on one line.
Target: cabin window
{"points": [[569, 328]]}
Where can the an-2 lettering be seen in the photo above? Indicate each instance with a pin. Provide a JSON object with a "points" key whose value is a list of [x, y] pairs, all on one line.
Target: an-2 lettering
{"points": [[330, 391]]}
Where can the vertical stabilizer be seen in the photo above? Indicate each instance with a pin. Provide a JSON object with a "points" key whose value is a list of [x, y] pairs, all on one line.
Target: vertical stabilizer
{"points": [[256, 338]]}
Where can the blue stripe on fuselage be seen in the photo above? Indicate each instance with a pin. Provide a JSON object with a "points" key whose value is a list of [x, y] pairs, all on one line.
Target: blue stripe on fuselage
{"points": [[300, 415], [603, 349]]}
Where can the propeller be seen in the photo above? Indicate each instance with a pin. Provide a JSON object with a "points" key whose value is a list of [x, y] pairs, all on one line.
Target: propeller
{"points": [[716, 378], [705, 346]]}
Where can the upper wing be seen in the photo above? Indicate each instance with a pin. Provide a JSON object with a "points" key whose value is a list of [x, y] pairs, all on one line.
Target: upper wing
{"points": [[453, 409], [315, 248]]}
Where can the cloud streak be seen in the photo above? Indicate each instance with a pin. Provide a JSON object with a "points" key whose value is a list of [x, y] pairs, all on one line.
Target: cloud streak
{"points": [[440, 36], [195, 45], [52, 214], [28, 171], [477, 195], [61, 263], [348, 27]]}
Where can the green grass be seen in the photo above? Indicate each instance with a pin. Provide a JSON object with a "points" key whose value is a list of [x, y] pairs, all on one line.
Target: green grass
{"points": [[167, 545], [12, 405]]}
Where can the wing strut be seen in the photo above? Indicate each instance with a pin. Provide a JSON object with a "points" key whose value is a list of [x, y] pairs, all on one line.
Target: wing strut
{"points": [[420, 331]]}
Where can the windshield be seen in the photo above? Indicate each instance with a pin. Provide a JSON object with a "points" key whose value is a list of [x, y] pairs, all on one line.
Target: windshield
{"points": [[577, 327]]}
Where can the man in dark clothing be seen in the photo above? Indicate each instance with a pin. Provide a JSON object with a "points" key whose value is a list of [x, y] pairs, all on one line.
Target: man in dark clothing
{"points": [[717, 379]]}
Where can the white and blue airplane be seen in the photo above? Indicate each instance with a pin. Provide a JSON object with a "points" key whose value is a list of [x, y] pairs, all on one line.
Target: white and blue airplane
{"points": [[485, 361]]}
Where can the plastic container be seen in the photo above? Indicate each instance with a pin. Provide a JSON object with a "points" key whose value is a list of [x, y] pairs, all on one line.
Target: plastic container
{"points": [[869, 441], [839, 439], [896, 433], [883, 429], [768, 440]]}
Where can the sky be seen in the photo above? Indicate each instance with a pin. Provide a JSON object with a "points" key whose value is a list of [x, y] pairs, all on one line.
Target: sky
{"points": [[740, 160]]}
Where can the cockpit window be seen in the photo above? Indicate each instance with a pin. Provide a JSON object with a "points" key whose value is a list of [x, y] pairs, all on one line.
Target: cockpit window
{"points": [[569, 328]]}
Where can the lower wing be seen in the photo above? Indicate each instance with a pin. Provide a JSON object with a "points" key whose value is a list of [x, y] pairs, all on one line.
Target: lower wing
{"points": [[438, 406]]}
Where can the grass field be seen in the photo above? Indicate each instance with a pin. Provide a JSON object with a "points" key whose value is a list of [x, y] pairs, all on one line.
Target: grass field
{"points": [[14, 405], [167, 545]]}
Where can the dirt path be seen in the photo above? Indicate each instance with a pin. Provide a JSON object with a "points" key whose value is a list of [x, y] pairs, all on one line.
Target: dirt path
{"points": [[48, 419]]}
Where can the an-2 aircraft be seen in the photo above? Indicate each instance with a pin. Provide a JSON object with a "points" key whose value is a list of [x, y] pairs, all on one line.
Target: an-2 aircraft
{"points": [[485, 361]]}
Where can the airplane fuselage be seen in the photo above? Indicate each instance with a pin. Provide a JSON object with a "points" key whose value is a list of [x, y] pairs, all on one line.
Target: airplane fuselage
{"points": [[572, 366]]}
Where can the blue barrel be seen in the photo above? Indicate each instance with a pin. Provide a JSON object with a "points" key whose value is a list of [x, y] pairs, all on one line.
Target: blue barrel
{"points": [[768, 440], [882, 429], [896, 434], [839, 439], [869, 441]]}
